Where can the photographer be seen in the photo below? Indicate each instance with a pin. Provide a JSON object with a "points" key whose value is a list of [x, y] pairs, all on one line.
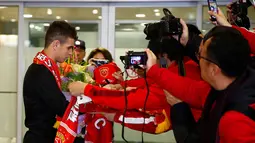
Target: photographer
{"points": [[225, 76]]}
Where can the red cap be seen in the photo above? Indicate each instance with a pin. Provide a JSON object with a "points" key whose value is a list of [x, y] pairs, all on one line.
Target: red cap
{"points": [[103, 74]]}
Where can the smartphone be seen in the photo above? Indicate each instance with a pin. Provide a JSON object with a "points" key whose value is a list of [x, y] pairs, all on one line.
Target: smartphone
{"points": [[212, 5]]}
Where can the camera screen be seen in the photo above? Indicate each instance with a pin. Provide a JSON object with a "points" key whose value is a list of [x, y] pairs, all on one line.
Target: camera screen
{"points": [[136, 60]]}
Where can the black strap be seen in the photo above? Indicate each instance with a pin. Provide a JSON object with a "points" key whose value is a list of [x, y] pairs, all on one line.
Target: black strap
{"points": [[244, 109]]}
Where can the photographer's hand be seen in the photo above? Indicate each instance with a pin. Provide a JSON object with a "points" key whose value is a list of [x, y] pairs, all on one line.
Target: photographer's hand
{"points": [[152, 59], [185, 34], [118, 75], [221, 19], [171, 99], [77, 88], [91, 62]]}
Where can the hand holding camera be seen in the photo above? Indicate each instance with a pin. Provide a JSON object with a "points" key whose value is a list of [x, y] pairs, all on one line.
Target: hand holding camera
{"points": [[185, 34], [98, 62], [152, 59]]}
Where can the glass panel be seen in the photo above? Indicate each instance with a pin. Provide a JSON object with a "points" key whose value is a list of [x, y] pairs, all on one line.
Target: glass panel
{"points": [[155, 13], [130, 36], [39, 19], [8, 72], [207, 25], [251, 15]]}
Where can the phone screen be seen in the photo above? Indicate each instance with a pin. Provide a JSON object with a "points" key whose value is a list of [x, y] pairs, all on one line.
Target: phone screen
{"points": [[213, 7]]}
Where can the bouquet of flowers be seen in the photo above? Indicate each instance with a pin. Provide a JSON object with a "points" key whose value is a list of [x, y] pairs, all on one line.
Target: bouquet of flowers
{"points": [[74, 72], [70, 125]]}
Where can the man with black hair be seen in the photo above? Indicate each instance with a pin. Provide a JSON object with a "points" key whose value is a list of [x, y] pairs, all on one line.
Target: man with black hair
{"points": [[80, 49], [228, 111], [43, 98]]}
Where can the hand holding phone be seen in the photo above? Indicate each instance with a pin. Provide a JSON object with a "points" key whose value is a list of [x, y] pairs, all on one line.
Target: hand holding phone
{"points": [[212, 5]]}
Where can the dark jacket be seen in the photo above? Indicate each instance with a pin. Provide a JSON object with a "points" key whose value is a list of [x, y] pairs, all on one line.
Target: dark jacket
{"points": [[239, 96], [43, 100]]}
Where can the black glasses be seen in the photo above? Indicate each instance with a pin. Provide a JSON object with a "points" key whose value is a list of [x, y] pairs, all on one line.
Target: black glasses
{"points": [[201, 57]]}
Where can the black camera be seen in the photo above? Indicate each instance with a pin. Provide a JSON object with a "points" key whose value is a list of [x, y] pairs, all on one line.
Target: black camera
{"points": [[168, 25], [99, 62], [239, 11], [134, 58]]}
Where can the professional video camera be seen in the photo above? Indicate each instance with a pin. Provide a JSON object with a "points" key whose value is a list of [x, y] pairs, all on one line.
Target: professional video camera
{"points": [[239, 11], [162, 33], [168, 25]]}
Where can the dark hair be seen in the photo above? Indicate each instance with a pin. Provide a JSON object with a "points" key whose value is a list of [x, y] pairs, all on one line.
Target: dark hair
{"points": [[59, 30], [193, 29], [228, 49], [105, 52]]}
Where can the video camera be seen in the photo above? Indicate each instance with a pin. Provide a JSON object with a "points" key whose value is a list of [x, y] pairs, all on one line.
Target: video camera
{"points": [[239, 11], [168, 25], [134, 58]]}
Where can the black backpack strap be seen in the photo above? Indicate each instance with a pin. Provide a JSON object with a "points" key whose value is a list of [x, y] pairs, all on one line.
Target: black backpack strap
{"points": [[244, 109]]}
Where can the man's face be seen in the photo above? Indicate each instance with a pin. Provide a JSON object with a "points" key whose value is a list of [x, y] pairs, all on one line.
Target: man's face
{"points": [[80, 53], [64, 50], [209, 70]]}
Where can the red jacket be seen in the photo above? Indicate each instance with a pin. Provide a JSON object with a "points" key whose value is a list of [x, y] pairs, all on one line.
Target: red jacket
{"points": [[250, 36], [156, 102]]}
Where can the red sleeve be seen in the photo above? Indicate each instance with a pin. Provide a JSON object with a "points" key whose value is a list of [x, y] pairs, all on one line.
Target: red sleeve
{"points": [[250, 36], [235, 127], [139, 82], [136, 98], [186, 89]]}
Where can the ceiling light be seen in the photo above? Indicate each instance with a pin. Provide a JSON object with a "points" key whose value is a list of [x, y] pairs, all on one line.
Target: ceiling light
{"points": [[1, 7], [77, 28], [13, 20], [203, 30], [156, 10], [127, 29], [140, 15], [117, 24], [46, 24], [28, 15], [31, 25], [49, 11], [66, 20], [191, 16], [95, 11], [58, 17], [157, 14], [99, 17], [38, 28]]}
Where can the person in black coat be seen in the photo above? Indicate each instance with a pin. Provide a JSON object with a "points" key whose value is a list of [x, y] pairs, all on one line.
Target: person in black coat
{"points": [[43, 98]]}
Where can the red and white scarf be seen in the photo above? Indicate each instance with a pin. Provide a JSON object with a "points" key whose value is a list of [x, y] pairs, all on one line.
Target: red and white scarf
{"points": [[67, 130], [42, 59]]}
